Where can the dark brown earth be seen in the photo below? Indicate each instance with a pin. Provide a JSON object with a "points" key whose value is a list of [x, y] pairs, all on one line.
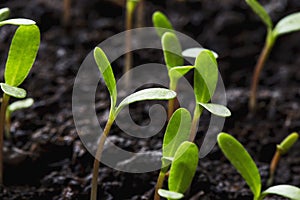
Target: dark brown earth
{"points": [[45, 158]]}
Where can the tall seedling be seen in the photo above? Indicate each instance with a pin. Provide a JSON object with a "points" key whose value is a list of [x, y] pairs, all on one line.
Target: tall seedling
{"points": [[286, 25], [21, 56], [109, 79]]}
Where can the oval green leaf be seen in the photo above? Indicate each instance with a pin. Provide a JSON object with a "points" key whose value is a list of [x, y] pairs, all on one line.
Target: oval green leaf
{"points": [[176, 73], [17, 22], [13, 91], [18, 105], [216, 109], [183, 167], [205, 76], [261, 12], [147, 94], [161, 23], [287, 143], [172, 50], [288, 24], [288, 191], [242, 161], [4, 13], [169, 194], [22, 53], [178, 131], [194, 52], [107, 73]]}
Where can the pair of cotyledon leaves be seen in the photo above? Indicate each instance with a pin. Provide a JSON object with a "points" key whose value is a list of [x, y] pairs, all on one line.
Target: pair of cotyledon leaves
{"points": [[22, 53], [242, 161], [286, 25], [206, 68]]}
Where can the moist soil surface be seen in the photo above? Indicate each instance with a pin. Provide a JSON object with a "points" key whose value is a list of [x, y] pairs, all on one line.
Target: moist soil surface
{"points": [[44, 157]]}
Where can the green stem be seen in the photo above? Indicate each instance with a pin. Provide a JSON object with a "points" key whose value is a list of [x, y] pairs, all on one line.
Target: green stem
{"points": [[258, 68], [195, 122], [171, 102], [98, 157], [159, 184], [4, 104]]}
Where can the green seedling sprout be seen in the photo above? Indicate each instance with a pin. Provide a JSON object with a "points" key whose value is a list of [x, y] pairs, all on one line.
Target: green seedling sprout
{"points": [[281, 149], [173, 55], [110, 82], [178, 131], [182, 171], [21, 56], [17, 105], [130, 8], [205, 82], [244, 164], [286, 25]]}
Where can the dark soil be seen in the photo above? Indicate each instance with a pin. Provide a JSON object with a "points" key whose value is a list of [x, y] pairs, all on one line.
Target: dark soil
{"points": [[45, 159]]}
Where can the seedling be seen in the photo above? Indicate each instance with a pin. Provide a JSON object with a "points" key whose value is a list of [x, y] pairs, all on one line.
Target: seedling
{"points": [[242, 161], [109, 79], [182, 171], [281, 149], [17, 105], [286, 25], [178, 131], [21, 56], [173, 55], [130, 7]]}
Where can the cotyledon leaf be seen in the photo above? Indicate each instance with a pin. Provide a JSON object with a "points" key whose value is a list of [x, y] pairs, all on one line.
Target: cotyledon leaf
{"points": [[107, 73], [170, 194], [288, 24], [288, 191], [242, 161], [147, 94], [172, 50], [205, 76], [13, 91], [177, 131], [161, 23], [261, 12], [183, 167], [22, 54], [216, 109], [17, 22]]}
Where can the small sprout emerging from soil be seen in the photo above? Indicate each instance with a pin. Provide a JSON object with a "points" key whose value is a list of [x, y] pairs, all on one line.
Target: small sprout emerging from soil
{"points": [[182, 171], [178, 131], [21, 56], [286, 25], [205, 82], [244, 164], [109, 79], [281, 149], [17, 105]]}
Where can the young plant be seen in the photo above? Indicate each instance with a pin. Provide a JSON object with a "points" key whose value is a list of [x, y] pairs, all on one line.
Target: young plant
{"points": [[178, 131], [281, 149], [130, 8], [182, 171], [242, 161], [109, 79], [21, 56], [205, 73], [17, 105], [286, 25]]}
